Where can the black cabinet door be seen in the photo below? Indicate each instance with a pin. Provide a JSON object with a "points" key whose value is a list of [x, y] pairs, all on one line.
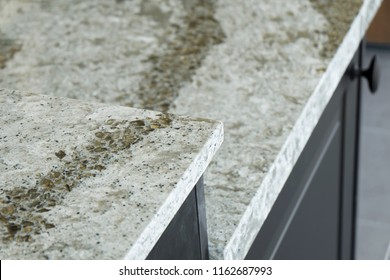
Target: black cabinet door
{"points": [[313, 217]]}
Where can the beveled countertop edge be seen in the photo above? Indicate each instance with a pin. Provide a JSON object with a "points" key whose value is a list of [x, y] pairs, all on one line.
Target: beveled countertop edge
{"points": [[151, 234]]}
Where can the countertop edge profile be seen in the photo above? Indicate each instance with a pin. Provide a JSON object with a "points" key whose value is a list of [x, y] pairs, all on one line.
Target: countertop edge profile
{"points": [[150, 235]]}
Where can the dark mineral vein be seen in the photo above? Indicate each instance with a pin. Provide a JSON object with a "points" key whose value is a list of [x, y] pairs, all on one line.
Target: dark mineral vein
{"points": [[339, 15], [177, 63]]}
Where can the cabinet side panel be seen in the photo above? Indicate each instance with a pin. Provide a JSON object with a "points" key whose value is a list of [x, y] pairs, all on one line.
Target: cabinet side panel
{"points": [[180, 240], [201, 210]]}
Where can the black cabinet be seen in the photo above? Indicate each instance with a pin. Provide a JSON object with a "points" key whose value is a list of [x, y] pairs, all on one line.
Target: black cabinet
{"points": [[314, 215], [185, 238]]}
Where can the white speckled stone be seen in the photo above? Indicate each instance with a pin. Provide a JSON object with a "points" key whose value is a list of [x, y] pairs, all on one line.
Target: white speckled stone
{"points": [[267, 81], [116, 210]]}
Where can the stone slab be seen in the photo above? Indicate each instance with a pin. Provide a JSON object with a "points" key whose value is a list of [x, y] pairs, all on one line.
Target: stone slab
{"points": [[93, 181]]}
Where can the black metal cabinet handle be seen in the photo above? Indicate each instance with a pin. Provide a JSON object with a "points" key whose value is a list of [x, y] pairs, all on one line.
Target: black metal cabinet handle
{"points": [[372, 74]]}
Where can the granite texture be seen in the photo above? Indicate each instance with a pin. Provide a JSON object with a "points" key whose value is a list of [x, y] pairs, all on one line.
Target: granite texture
{"points": [[268, 73], [92, 181]]}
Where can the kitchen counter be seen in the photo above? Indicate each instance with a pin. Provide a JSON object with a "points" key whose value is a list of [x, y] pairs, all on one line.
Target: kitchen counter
{"points": [[267, 69], [93, 181]]}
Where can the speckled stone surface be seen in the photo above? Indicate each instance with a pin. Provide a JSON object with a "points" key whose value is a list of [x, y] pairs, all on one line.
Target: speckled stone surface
{"points": [[93, 181], [268, 73]]}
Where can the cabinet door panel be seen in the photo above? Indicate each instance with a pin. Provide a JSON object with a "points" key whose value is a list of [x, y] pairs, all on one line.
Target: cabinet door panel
{"points": [[312, 232]]}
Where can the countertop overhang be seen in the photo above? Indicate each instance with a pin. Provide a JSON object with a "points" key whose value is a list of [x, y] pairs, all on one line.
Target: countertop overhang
{"points": [[92, 181]]}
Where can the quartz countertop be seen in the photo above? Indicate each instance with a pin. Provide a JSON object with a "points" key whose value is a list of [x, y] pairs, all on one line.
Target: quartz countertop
{"points": [[266, 69], [93, 181]]}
